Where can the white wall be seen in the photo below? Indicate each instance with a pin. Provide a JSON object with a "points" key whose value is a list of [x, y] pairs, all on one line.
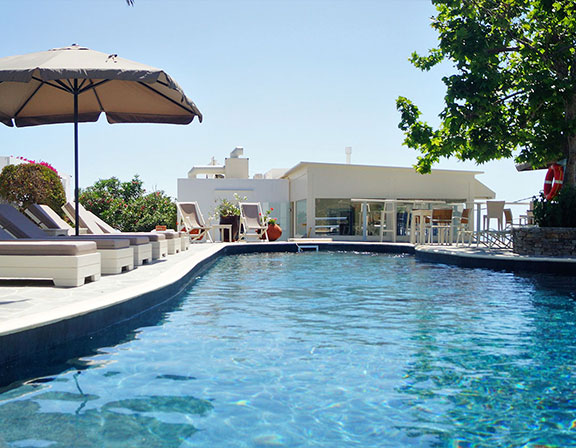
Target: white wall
{"points": [[269, 192]]}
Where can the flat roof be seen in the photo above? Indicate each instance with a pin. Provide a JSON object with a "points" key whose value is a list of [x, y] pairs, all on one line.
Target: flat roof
{"points": [[325, 164]]}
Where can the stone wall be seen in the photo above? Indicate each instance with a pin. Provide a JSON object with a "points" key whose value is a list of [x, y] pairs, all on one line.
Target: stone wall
{"points": [[545, 241]]}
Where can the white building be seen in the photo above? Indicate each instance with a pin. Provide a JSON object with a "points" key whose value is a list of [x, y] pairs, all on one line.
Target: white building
{"points": [[342, 201]]}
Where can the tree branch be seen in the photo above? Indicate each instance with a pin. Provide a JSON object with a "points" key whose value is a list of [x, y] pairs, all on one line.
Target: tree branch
{"points": [[512, 95], [502, 50]]}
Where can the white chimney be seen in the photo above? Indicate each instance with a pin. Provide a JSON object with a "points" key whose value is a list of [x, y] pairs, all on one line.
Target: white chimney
{"points": [[348, 151]]}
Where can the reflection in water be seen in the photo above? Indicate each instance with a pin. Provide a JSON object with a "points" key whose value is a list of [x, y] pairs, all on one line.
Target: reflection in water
{"points": [[323, 350], [130, 422], [77, 419]]}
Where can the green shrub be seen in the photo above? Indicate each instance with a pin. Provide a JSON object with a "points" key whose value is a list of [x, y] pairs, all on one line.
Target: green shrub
{"points": [[558, 212], [127, 207], [146, 212], [32, 183]]}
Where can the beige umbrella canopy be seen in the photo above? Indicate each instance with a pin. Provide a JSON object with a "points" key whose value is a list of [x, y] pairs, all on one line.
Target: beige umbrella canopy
{"points": [[75, 84]]}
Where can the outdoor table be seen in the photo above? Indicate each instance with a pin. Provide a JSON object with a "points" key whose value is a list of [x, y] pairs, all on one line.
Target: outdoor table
{"points": [[223, 227]]}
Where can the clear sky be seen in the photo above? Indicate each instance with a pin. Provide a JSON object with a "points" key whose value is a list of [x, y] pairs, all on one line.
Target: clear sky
{"points": [[289, 80]]}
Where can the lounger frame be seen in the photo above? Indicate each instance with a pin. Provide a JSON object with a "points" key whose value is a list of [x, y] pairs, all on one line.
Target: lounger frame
{"points": [[65, 271]]}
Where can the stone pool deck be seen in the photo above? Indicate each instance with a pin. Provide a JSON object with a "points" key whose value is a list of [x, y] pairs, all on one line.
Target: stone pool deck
{"points": [[498, 259], [36, 317]]}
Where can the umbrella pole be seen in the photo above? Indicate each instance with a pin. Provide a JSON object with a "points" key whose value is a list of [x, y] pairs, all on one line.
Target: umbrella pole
{"points": [[76, 200]]}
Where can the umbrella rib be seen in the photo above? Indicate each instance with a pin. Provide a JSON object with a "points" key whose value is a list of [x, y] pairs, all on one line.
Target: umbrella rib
{"points": [[60, 85], [68, 88], [81, 85], [93, 85], [167, 98], [28, 100]]}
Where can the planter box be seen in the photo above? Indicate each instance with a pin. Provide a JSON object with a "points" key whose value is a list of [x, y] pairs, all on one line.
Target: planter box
{"points": [[234, 221], [545, 241]]}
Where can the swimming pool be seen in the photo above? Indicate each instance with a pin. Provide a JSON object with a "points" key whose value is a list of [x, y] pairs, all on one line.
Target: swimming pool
{"points": [[324, 349]]}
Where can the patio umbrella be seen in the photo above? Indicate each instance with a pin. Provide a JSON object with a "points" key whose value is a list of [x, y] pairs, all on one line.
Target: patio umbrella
{"points": [[75, 84]]}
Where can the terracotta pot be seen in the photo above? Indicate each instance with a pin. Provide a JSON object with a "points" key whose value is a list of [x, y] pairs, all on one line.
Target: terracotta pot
{"points": [[274, 232], [235, 221]]}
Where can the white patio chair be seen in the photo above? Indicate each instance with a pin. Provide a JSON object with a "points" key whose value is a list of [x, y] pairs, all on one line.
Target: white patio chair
{"points": [[494, 210], [502, 238], [193, 221], [464, 230], [251, 222]]}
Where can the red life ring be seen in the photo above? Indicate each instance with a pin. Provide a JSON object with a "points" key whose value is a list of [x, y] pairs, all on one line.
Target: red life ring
{"points": [[553, 181]]}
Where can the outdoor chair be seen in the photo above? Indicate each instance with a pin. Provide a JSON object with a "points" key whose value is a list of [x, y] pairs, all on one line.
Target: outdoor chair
{"points": [[141, 244], [501, 239], [489, 236], [163, 241], [157, 243], [193, 221], [441, 222], [464, 228], [67, 263], [494, 210], [388, 221], [251, 222], [528, 218], [116, 254], [508, 219]]}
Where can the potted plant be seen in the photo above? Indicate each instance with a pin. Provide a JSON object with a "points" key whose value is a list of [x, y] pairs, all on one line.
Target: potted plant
{"points": [[228, 213], [274, 231]]}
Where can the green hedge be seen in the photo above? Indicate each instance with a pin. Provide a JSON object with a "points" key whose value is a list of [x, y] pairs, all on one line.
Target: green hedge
{"points": [[127, 207]]}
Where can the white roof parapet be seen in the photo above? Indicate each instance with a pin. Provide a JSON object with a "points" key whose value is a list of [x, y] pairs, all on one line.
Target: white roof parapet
{"points": [[275, 173], [205, 169]]}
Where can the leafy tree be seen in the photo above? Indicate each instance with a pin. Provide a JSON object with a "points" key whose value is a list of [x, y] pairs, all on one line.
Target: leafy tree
{"points": [[127, 207], [32, 183], [514, 90]]}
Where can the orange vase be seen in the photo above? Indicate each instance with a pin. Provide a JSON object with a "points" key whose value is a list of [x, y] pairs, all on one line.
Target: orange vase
{"points": [[274, 232]]}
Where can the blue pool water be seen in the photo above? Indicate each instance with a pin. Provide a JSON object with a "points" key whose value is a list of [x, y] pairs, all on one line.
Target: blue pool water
{"points": [[324, 350]]}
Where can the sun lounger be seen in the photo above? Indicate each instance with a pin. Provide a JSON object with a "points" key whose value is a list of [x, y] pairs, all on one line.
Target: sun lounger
{"points": [[175, 241], [96, 226], [66, 263], [251, 222], [47, 219], [163, 243], [193, 221], [116, 254], [141, 244]]}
